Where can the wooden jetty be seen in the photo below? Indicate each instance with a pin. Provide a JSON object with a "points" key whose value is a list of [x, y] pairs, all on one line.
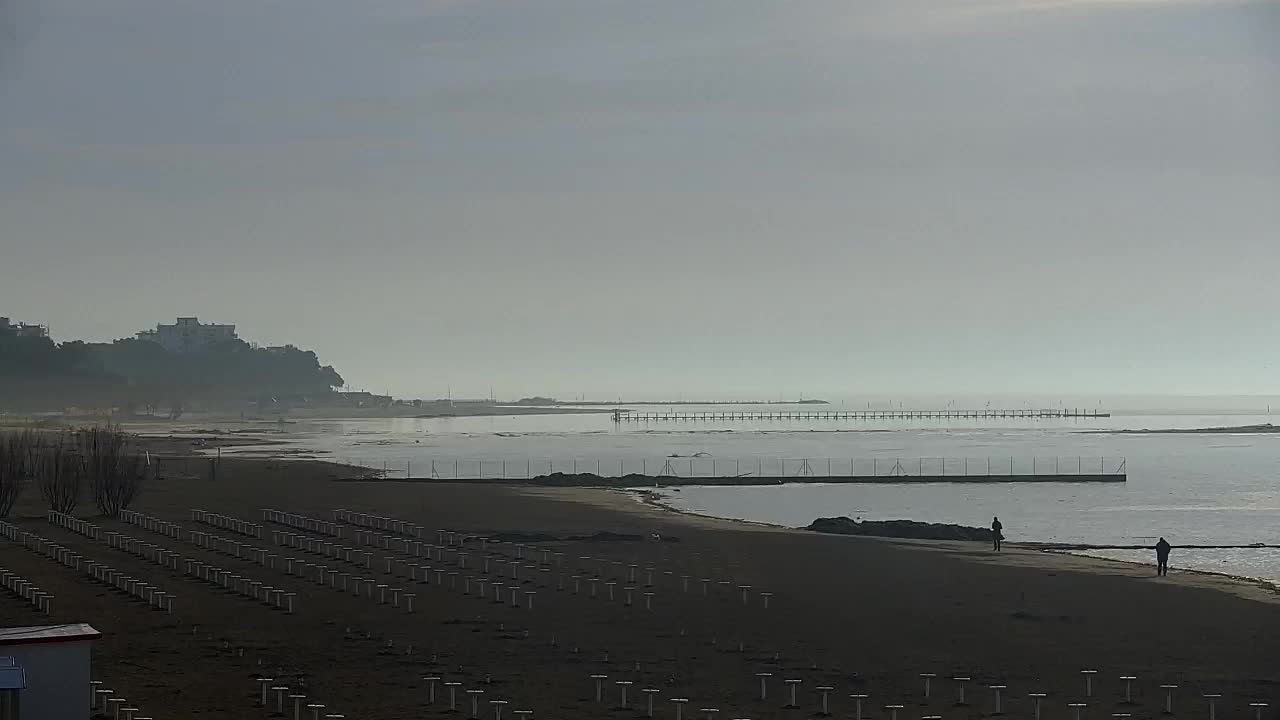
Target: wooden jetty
{"points": [[624, 415]]}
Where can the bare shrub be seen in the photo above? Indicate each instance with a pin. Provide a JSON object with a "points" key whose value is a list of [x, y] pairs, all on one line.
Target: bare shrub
{"points": [[59, 472], [17, 465], [116, 472]]}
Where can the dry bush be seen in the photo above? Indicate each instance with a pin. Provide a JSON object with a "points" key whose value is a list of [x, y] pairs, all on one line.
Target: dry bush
{"points": [[17, 465], [60, 472], [115, 471]]}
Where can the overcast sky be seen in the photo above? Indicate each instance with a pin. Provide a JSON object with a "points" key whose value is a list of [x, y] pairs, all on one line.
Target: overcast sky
{"points": [[657, 197]]}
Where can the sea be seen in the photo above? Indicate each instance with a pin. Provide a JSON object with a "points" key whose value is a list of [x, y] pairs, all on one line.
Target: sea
{"points": [[1216, 488]]}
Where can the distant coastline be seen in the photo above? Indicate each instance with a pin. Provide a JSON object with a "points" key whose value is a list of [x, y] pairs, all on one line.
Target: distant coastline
{"points": [[427, 411]]}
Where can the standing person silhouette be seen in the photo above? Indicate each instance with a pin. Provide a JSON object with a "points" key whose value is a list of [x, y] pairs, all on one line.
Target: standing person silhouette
{"points": [[996, 533], [1162, 557]]}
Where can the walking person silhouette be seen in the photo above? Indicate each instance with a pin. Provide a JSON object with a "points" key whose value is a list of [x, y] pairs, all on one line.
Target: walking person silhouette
{"points": [[997, 533], [1162, 557]]}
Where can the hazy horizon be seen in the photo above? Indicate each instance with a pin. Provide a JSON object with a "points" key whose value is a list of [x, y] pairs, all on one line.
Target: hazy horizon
{"points": [[1113, 404], [732, 198]]}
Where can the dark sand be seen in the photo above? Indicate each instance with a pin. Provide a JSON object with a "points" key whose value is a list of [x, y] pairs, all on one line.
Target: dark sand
{"points": [[857, 614]]}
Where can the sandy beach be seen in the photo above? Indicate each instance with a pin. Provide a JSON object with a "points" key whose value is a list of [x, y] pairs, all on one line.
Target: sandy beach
{"points": [[858, 615]]}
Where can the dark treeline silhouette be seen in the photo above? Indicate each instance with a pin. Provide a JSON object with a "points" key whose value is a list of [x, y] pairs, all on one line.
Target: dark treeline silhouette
{"points": [[36, 373]]}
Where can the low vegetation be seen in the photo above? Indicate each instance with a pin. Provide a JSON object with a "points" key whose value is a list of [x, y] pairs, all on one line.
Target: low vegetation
{"points": [[17, 463], [62, 464]]}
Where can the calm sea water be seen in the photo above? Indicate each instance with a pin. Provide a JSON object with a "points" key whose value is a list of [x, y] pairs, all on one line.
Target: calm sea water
{"points": [[1190, 488]]}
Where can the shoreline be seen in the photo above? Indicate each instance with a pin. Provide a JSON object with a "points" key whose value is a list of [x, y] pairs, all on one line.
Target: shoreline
{"points": [[652, 501], [673, 481], [863, 613], [1240, 585]]}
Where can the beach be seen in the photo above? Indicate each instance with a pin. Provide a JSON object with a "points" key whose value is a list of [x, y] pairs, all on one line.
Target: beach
{"points": [[1192, 488], [859, 615]]}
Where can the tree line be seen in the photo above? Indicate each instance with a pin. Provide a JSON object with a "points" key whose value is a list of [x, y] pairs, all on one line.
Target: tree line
{"points": [[36, 372], [66, 466]]}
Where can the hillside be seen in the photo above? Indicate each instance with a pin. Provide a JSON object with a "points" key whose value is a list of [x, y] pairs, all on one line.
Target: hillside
{"points": [[37, 374]]}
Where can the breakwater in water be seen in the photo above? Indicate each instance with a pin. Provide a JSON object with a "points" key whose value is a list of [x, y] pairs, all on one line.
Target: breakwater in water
{"points": [[898, 529]]}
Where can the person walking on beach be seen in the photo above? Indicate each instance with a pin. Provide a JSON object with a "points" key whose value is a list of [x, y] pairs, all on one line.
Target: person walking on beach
{"points": [[1162, 557], [996, 533]]}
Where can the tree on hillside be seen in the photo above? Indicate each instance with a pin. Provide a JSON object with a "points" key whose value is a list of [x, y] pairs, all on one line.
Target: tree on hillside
{"points": [[23, 356], [37, 373], [229, 364]]}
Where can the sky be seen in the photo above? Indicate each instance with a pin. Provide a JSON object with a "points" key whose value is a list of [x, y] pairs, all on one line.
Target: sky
{"points": [[657, 198]]}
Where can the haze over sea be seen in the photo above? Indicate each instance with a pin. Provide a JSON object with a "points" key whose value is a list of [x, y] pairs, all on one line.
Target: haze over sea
{"points": [[1207, 488]]}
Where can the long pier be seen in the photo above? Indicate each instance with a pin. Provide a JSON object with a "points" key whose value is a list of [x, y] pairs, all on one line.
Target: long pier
{"points": [[757, 470], [622, 415]]}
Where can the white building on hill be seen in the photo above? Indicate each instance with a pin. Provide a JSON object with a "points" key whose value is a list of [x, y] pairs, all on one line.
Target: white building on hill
{"points": [[23, 329], [188, 335]]}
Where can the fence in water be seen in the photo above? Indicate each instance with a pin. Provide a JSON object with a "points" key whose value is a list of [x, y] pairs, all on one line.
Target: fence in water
{"points": [[623, 416], [993, 469]]}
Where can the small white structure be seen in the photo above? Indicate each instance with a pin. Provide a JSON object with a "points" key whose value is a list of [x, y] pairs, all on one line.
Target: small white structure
{"points": [[188, 334], [55, 662]]}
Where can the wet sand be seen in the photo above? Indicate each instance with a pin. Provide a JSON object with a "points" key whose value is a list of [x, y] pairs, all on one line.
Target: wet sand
{"points": [[859, 615]]}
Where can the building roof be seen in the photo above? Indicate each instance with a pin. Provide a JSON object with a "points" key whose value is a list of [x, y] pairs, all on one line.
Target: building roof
{"points": [[12, 677], [71, 632]]}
